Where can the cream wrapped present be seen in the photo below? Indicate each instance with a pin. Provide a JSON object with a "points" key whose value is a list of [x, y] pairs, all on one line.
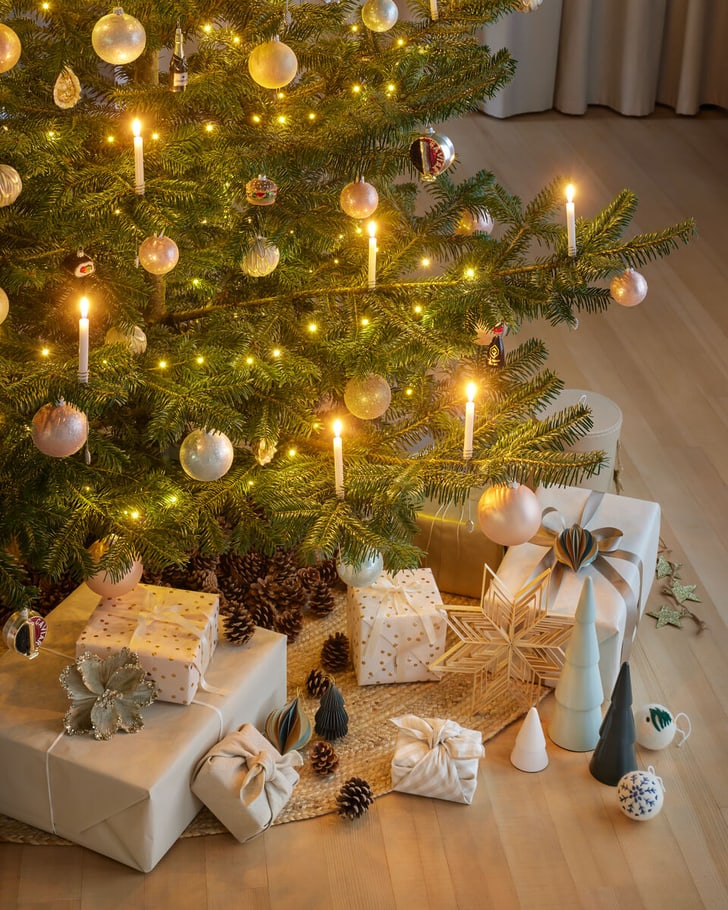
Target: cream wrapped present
{"points": [[613, 539], [245, 782], [456, 547], [397, 627], [173, 632], [436, 758]]}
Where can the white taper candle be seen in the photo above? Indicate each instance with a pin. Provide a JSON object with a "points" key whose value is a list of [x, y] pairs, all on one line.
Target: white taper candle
{"points": [[469, 422], [570, 221], [83, 342], [138, 158], [372, 254], [338, 461]]}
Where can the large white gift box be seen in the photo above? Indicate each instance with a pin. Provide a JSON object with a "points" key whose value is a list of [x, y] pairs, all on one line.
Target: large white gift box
{"points": [[129, 797], [396, 627], [620, 557], [174, 633], [436, 758]]}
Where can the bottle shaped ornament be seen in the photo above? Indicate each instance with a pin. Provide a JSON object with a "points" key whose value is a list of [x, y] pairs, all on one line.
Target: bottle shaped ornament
{"points": [[496, 355], [178, 74]]}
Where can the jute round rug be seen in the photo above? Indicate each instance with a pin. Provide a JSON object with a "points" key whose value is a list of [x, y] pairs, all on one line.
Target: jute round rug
{"points": [[366, 750]]}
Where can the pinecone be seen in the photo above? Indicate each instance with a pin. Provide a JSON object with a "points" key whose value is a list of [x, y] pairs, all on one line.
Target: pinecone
{"points": [[320, 599], [309, 576], [289, 623], [317, 683], [283, 564], [202, 573], [263, 591], [354, 798], [329, 574], [324, 759], [261, 613], [238, 627], [252, 566], [233, 590], [335, 652]]}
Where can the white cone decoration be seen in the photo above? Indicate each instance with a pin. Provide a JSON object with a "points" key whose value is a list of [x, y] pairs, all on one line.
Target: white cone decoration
{"points": [[529, 750]]}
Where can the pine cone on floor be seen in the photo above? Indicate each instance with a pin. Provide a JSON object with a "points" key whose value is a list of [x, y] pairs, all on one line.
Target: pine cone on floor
{"points": [[261, 613], [283, 564], [324, 759], [335, 652], [354, 798], [238, 627], [321, 599], [317, 682], [289, 623], [233, 590], [329, 574], [309, 576], [252, 566]]}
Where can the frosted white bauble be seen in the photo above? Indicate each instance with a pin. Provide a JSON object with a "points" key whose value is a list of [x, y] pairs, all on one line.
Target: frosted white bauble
{"points": [[4, 306], [509, 514], [379, 15], [655, 726], [272, 64], [367, 397], [10, 184], [368, 572], [206, 455], [118, 38], [261, 259], [135, 338], [158, 255], [59, 429], [629, 288], [359, 199], [103, 584], [10, 48], [640, 794], [470, 224]]}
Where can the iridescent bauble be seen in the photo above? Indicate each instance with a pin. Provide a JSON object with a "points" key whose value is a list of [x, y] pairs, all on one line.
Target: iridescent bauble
{"points": [[4, 306], [10, 48], [359, 199], [629, 288], [509, 514], [363, 575], [432, 154], [640, 794], [470, 224], [134, 338], [118, 38], [59, 429], [103, 583], [67, 89], [261, 259], [273, 64], [379, 15], [367, 397], [261, 190], [158, 255], [10, 184], [206, 455], [655, 727]]}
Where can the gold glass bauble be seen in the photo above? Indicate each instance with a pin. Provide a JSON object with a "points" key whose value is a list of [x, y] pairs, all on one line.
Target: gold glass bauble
{"points": [[379, 15], [272, 64], [509, 514], [10, 48], [629, 288], [118, 38], [10, 184], [470, 224], [367, 397], [158, 255], [359, 199], [4, 306], [59, 429], [206, 455]]}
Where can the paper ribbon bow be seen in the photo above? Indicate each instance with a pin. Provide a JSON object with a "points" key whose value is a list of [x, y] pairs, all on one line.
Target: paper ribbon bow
{"points": [[270, 773], [401, 599], [430, 755], [576, 547]]}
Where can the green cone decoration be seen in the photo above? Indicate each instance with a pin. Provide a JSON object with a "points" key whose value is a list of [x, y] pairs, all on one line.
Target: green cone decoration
{"points": [[331, 720]]}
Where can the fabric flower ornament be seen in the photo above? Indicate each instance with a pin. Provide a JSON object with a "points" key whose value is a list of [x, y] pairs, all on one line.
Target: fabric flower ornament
{"points": [[107, 694]]}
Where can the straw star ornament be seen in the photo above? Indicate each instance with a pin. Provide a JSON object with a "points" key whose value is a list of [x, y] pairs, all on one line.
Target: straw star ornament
{"points": [[510, 644]]}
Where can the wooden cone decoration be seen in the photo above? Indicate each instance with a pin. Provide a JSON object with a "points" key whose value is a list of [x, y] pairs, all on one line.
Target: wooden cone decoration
{"points": [[529, 750], [614, 755], [577, 715]]}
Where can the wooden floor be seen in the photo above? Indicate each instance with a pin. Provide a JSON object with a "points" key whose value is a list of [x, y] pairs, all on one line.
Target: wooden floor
{"points": [[554, 839]]}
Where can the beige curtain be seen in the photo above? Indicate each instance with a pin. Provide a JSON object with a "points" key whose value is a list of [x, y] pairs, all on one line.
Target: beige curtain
{"points": [[628, 55]]}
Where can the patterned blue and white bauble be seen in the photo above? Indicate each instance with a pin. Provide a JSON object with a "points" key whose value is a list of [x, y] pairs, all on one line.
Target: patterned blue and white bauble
{"points": [[640, 794], [362, 575]]}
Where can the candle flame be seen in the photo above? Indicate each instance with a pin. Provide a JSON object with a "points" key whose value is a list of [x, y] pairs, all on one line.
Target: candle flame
{"points": [[136, 127], [372, 228], [337, 428], [84, 307], [471, 391], [570, 193]]}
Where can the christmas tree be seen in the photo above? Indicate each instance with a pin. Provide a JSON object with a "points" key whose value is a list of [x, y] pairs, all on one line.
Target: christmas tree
{"points": [[193, 301]]}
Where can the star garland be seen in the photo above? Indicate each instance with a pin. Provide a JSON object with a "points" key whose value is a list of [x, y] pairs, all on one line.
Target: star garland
{"points": [[667, 614]]}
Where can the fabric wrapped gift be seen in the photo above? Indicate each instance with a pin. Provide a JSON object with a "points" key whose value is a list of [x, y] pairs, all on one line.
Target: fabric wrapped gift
{"points": [[619, 553], [397, 628], [128, 798], [457, 550], [245, 782], [436, 758], [173, 632]]}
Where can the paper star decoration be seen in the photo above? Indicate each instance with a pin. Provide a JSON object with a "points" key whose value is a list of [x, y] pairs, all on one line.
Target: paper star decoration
{"points": [[666, 616], [681, 593], [665, 567], [510, 644]]}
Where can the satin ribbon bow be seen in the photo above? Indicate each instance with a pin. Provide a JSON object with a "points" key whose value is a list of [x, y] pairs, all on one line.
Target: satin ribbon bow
{"points": [[577, 547], [401, 599]]}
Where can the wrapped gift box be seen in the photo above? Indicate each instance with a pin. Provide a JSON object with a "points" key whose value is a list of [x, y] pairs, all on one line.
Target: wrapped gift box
{"points": [[173, 632], [457, 550], [396, 627], [622, 572], [129, 797], [436, 758]]}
